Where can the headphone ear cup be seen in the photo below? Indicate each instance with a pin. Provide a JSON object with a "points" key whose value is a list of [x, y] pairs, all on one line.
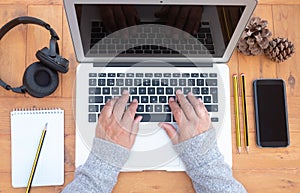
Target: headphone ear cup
{"points": [[39, 80], [57, 63]]}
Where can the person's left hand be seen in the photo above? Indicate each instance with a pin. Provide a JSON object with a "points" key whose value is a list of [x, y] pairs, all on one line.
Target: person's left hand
{"points": [[117, 124]]}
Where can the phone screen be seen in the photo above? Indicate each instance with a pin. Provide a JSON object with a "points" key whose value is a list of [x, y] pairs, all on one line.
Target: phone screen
{"points": [[271, 113]]}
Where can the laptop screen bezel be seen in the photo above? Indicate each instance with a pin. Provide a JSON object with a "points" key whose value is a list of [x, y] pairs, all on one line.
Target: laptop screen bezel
{"points": [[69, 6]]}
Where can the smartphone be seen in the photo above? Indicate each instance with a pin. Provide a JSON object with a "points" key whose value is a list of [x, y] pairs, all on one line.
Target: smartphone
{"points": [[271, 113]]}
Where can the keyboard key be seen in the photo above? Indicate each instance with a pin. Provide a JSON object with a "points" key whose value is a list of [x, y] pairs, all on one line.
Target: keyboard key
{"points": [[176, 75], [110, 82], [200, 82], [159, 90], [155, 82], [182, 82], [186, 90], [139, 75], [204, 75], [95, 99], [151, 90], [129, 74], [187, 75], [128, 82], [204, 90], [106, 90], [133, 90], [111, 75], [212, 108], [92, 82], [107, 98], [207, 99], [196, 91], [142, 90], [148, 75], [123, 88], [191, 82], [211, 82], [144, 99], [173, 82], [140, 108], [120, 82], [213, 75], [155, 117], [102, 74], [120, 74], [93, 108], [194, 75], [115, 91], [146, 82], [135, 97], [169, 91], [162, 99], [164, 82], [158, 75], [137, 82], [167, 108], [94, 90], [153, 99], [214, 119], [92, 74], [158, 108], [92, 118], [101, 82], [149, 108], [167, 74]]}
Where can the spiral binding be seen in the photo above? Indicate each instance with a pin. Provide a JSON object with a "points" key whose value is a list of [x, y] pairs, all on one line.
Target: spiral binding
{"points": [[43, 110]]}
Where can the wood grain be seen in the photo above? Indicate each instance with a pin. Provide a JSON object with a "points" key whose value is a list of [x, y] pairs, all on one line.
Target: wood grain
{"points": [[262, 170]]}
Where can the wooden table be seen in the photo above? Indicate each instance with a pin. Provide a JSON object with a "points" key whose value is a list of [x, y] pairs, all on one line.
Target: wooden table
{"points": [[262, 170]]}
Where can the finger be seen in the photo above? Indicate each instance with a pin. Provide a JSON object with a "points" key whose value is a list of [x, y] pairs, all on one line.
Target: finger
{"points": [[171, 132], [107, 17], [177, 111], [163, 12], [135, 128], [185, 105], [196, 103], [194, 19], [108, 108], [172, 15], [130, 14], [121, 105], [119, 17], [182, 17], [129, 114]]}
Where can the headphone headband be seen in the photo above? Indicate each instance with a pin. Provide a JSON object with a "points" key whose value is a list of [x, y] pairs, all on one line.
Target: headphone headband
{"points": [[27, 20]]}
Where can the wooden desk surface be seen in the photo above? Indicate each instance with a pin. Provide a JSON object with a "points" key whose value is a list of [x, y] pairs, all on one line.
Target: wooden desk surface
{"points": [[262, 170]]}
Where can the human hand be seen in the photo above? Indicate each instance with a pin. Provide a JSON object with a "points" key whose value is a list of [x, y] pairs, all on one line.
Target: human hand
{"points": [[190, 115], [116, 17], [184, 17], [117, 124]]}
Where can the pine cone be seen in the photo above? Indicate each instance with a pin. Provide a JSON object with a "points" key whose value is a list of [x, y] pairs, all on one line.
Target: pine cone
{"points": [[255, 37], [280, 49]]}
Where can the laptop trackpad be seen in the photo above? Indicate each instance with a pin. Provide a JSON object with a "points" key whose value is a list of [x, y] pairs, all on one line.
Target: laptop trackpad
{"points": [[152, 149]]}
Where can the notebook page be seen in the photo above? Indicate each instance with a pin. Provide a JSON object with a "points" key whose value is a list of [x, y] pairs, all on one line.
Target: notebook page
{"points": [[26, 130]]}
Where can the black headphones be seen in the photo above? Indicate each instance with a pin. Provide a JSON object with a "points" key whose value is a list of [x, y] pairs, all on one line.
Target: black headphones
{"points": [[40, 78]]}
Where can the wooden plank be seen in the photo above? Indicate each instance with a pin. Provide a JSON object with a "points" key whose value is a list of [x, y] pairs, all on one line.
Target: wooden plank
{"points": [[269, 181], [12, 48], [32, 2], [258, 66], [286, 23], [38, 37], [68, 80]]}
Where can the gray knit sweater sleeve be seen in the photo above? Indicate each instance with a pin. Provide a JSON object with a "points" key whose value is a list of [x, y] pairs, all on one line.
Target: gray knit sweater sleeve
{"points": [[100, 172], [204, 164]]}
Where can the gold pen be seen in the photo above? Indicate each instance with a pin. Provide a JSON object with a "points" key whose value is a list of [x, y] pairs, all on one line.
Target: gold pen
{"points": [[236, 111], [37, 155], [245, 116]]}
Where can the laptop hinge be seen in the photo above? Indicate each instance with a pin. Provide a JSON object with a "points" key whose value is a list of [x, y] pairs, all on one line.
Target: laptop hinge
{"points": [[152, 64]]}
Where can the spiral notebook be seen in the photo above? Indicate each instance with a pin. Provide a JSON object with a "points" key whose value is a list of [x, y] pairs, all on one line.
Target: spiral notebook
{"points": [[26, 130]]}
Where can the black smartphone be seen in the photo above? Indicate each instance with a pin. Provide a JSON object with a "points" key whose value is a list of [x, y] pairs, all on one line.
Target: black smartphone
{"points": [[271, 113]]}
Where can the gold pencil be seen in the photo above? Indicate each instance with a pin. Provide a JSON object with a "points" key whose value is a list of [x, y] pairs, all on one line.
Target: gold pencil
{"points": [[236, 111], [37, 155], [245, 116]]}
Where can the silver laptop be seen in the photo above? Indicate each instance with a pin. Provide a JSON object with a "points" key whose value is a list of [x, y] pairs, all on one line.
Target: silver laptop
{"points": [[152, 59]]}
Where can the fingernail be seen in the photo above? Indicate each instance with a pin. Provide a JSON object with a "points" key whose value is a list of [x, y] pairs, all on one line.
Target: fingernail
{"points": [[178, 92], [125, 92], [134, 100], [171, 99]]}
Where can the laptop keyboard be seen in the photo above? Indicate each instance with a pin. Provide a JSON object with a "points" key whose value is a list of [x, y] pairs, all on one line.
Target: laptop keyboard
{"points": [[152, 90], [152, 41]]}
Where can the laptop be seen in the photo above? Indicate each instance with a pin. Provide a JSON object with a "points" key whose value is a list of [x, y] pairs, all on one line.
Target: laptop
{"points": [[152, 59]]}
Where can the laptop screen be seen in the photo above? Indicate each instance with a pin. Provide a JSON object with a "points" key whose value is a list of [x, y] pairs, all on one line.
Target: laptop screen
{"points": [[155, 30]]}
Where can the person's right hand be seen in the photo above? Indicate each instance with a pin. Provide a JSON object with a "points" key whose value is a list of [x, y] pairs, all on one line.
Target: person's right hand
{"points": [[116, 17], [190, 115]]}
